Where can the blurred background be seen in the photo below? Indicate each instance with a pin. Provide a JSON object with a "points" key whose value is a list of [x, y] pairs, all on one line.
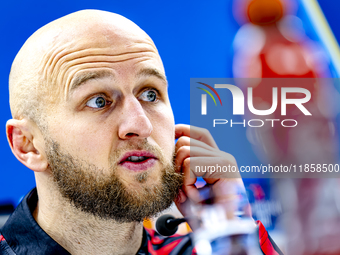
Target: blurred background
{"points": [[199, 39]]}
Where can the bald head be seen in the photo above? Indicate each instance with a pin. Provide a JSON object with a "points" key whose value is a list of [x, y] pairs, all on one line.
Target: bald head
{"points": [[67, 50]]}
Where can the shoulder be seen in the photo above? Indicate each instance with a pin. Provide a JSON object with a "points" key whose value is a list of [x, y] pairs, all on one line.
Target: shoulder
{"points": [[176, 244], [5, 249]]}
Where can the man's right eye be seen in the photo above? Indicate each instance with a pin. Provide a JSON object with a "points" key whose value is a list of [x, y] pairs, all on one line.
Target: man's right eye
{"points": [[97, 102]]}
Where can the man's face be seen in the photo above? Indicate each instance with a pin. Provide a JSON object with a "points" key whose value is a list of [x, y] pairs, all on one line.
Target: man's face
{"points": [[111, 132]]}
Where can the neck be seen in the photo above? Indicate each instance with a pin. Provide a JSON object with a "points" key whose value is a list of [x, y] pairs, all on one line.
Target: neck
{"points": [[81, 233]]}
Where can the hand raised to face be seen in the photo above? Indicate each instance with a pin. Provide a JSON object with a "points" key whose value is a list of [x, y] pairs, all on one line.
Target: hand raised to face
{"points": [[196, 149]]}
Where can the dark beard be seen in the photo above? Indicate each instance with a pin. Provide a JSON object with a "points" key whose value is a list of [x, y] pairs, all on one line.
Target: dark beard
{"points": [[105, 196]]}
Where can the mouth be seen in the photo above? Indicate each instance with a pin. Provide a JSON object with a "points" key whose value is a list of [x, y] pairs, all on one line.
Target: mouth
{"points": [[138, 160]]}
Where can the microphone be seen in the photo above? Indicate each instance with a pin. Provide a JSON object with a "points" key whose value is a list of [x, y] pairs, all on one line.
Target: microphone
{"points": [[167, 225]]}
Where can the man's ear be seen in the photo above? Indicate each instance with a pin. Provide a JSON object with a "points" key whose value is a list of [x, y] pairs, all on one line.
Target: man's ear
{"points": [[27, 143]]}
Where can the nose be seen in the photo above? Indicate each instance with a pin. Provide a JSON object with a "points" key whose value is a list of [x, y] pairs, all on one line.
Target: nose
{"points": [[134, 122]]}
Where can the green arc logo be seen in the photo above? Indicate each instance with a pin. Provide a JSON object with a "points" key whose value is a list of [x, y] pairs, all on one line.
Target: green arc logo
{"points": [[209, 93]]}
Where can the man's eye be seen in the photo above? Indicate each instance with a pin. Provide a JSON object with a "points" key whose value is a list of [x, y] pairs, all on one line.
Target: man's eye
{"points": [[97, 102], [148, 95]]}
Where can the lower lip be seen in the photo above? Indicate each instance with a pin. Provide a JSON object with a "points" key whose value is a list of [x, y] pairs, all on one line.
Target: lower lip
{"points": [[139, 166]]}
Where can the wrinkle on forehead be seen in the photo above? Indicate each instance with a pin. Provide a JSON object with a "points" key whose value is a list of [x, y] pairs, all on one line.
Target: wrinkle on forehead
{"points": [[97, 43], [61, 70], [49, 56]]}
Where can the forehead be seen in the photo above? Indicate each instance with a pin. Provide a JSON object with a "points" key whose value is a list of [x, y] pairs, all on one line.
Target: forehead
{"points": [[96, 48]]}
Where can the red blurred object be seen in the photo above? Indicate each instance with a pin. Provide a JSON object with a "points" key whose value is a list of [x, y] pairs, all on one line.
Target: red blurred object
{"points": [[272, 47], [264, 12]]}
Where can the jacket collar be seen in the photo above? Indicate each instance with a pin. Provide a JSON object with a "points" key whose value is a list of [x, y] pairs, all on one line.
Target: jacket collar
{"points": [[25, 236]]}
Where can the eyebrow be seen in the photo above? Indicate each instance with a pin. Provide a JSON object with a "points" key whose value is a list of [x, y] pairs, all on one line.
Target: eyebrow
{"points": [[152, 72], [85, 76]]}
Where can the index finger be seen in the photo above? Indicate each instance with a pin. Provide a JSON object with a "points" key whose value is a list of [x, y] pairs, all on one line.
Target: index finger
{"points": [[197, 133]]}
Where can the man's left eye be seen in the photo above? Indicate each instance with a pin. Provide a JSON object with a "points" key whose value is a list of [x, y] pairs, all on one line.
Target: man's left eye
{"points": [[148, 95], [97, 102]]}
